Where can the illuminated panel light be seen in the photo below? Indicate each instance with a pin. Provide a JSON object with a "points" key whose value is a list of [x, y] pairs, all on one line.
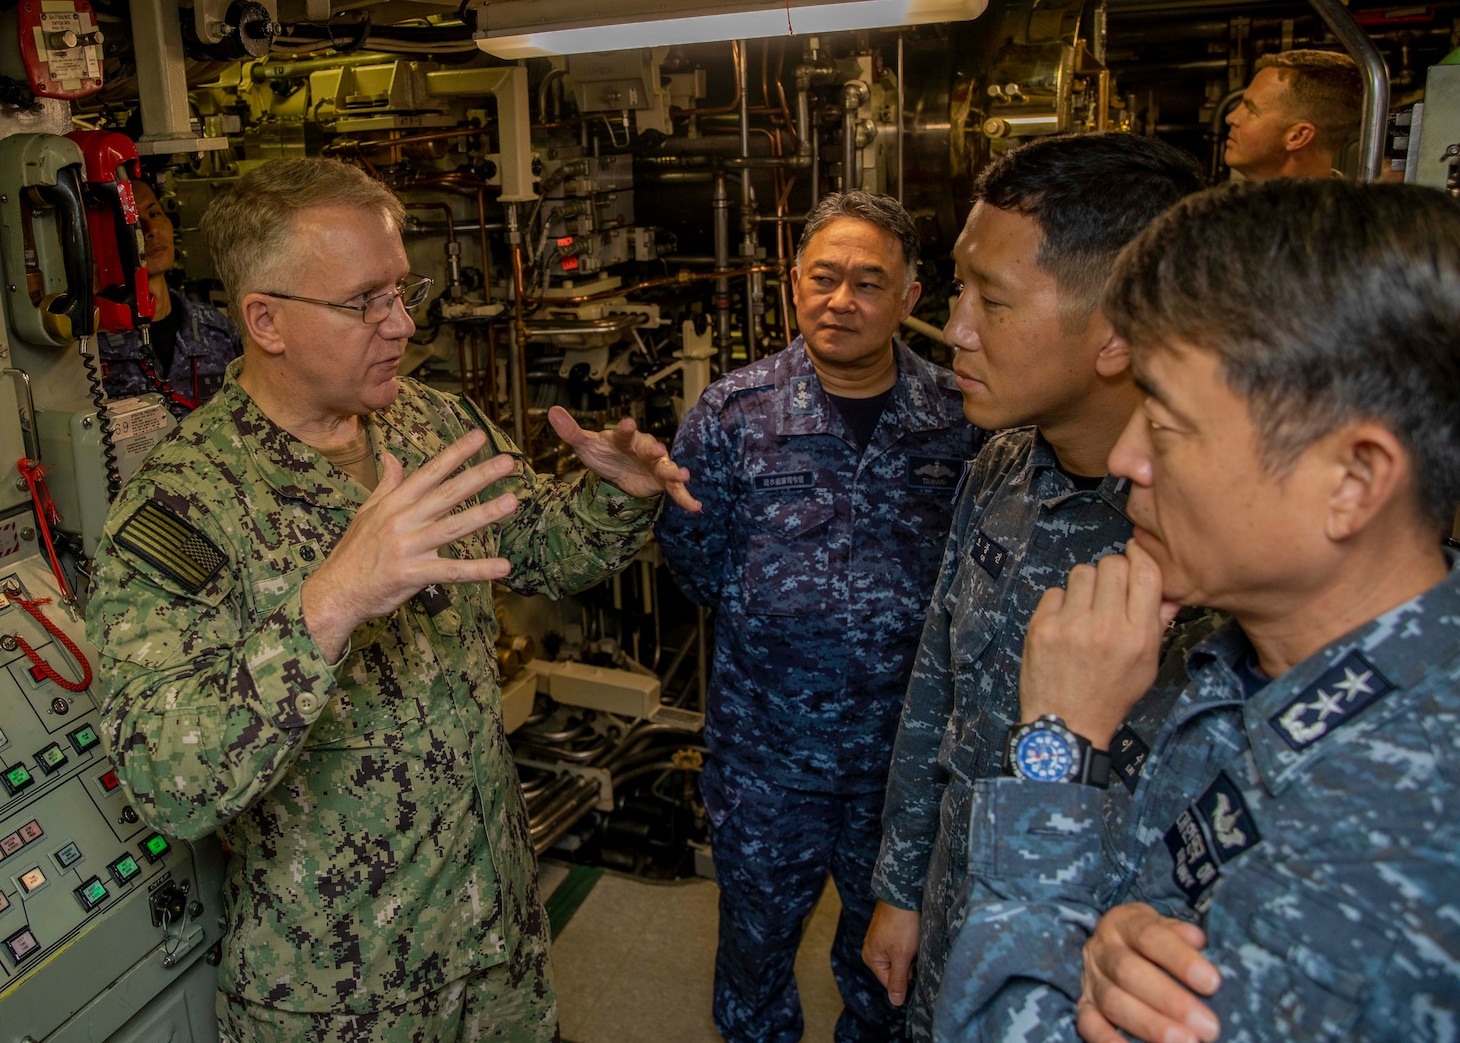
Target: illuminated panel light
{"points": [[742, 21]]}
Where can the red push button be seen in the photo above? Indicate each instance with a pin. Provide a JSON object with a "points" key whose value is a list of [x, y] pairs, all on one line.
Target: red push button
{"points": [[109, 781]]}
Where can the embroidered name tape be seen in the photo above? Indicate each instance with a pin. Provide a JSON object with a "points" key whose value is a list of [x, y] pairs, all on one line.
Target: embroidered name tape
{"points": [[1128, 753], [1343, 692], [790, 480], [163, 540], [989, 555]]}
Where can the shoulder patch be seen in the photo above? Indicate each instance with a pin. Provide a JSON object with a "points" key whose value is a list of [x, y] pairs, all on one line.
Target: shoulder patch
{"points": [[164, 540], [1208, 835]]}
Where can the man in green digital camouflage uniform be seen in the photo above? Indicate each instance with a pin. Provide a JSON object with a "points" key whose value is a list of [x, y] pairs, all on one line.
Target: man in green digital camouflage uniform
{"points": [[299, 648]]}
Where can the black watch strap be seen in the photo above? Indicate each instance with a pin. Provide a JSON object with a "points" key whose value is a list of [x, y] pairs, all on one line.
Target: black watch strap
{"points": [[1096, 769]]}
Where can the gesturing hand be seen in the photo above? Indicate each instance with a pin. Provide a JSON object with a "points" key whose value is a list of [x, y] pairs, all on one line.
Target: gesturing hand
{"points": [[1091, 649], [1141, 970], [389, 552], [626, 457]]}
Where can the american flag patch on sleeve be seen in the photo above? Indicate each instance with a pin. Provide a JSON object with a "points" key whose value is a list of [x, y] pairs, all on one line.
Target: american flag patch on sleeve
{"points": [[166, 541]]}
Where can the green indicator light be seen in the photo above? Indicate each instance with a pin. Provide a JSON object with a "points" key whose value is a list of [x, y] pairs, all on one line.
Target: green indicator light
{"points": [[127, 866], [157, 845], [18, 776], [95, 892], [86, 737], [53, 756]]}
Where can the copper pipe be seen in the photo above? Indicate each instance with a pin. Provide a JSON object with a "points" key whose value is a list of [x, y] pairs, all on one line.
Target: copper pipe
{"points": [[486, 247], [765, 65], [492, 409], [781, 90], [450, 218], [682, 277], [519, 415], [733, 104], [412, 139]]}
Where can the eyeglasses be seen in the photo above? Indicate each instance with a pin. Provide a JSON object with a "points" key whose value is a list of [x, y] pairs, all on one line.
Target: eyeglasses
{"points": [[412, 291]]}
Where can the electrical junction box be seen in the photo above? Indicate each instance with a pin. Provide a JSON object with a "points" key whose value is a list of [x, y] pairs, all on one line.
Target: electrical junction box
{"points": [[75, 470], [598, 687]]}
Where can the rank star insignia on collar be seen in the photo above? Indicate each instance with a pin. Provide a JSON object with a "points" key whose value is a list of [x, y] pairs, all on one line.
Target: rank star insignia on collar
{"points": [[801, 395], [1341, 694]]}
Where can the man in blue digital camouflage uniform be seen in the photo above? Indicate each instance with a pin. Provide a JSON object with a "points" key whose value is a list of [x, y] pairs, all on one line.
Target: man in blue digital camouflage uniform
{"points": [[190, 343], [1033, 349], [1286, 847], [827, 472]]}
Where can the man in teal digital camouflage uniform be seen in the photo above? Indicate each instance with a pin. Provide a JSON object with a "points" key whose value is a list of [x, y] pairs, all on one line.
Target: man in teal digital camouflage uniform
{"points": [[299, 649], [1284, 860], [1033, 349]]}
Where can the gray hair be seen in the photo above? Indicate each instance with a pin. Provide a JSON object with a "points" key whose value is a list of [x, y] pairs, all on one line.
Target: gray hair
{"points": [[1325, 302], [885, 212], [250, 229]]}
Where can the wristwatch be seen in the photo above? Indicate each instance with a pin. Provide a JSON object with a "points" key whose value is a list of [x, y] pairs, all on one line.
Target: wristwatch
{"points": [[1046, 751]]}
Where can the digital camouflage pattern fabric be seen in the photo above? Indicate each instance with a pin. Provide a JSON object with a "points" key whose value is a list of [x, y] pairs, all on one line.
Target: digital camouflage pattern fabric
{"points": [[778, 845], [206, 343], [380, 845], [1304, 827], [819, 558], [1019, 526]]}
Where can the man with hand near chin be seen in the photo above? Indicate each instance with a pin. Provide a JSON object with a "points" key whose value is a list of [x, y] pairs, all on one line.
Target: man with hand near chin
{"points": [[1285, 864], [1039, 363]]}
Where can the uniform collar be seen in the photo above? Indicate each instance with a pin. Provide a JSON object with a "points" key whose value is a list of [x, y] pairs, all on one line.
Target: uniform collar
{"points": [[1052, 484], [917, 402], [299, 471], [190, 343], [1354, 684]]}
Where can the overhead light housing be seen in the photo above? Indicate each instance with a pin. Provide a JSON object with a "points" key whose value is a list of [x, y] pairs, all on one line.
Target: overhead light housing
{"points": [[536, 28]]}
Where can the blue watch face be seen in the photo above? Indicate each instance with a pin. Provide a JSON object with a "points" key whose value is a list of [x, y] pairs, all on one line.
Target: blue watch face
{"points": [[1044, 756]]}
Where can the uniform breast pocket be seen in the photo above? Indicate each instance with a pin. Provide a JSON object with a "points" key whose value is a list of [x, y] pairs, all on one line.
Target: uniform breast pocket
{"points": [[1302, 961], [970, 628], [789, 555]]}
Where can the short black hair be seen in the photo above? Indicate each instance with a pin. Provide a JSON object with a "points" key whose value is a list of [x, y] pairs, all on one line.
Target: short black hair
{"points": [[883, 211], [1326, 302], [1091, 194]]}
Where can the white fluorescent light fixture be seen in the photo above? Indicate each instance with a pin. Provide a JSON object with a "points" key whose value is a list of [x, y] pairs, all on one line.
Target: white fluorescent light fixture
{"points": [[537, 28]]}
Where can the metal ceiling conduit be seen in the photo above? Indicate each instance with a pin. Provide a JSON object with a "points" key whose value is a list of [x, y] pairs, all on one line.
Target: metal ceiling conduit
{"points": [[1375, 113]]}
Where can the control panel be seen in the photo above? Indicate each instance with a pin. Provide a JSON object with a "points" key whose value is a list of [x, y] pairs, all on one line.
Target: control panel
{"points": [[76, 860]]}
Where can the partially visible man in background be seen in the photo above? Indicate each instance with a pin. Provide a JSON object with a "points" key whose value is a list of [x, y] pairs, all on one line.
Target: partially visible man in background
{"points": [[191, 343], [1300, 109]]}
